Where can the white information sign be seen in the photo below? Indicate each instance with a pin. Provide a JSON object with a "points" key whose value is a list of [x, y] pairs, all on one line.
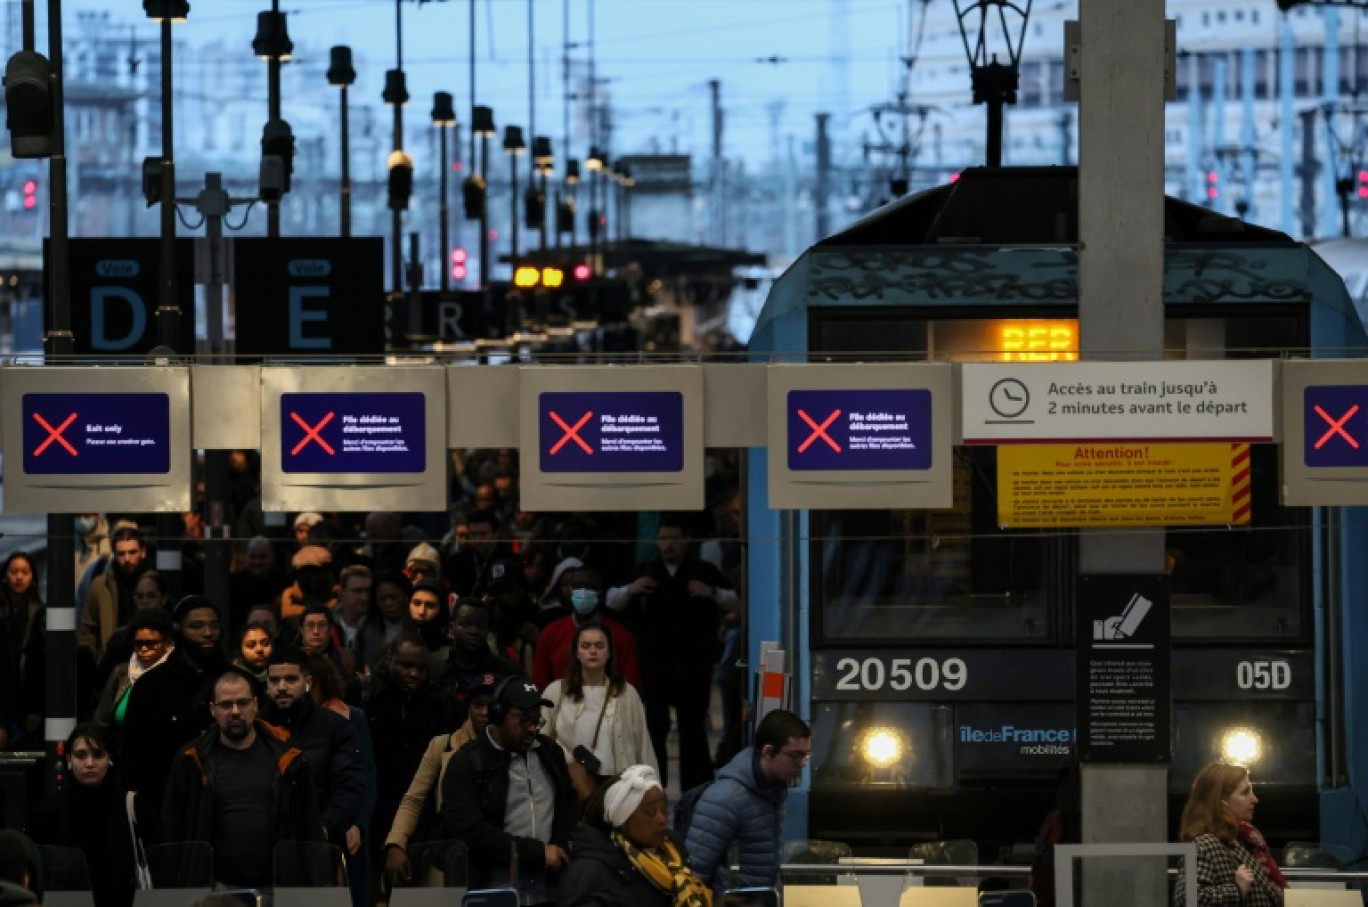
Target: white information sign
{"points": [[1007, 403]]}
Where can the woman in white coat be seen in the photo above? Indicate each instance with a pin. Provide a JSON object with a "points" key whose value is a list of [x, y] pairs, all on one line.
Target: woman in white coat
{"points": [[597, 716]]}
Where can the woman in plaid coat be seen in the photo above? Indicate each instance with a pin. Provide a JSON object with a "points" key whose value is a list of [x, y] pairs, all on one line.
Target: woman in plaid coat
{"points": [[1234, 864]]}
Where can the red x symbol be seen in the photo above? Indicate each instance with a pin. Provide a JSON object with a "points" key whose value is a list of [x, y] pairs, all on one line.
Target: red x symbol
{"points": [[54, 434], [819, 431], [312, 433], [571, 433], [1336, 427]]}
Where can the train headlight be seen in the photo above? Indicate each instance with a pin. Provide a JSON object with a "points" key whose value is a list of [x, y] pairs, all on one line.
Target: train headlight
{"points": [[1241, 745], [882, 746]]}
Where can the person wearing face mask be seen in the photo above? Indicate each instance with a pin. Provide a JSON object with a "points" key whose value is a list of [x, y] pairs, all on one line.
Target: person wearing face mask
{"points": [[553, 656], [596, 715], [90, 815]]}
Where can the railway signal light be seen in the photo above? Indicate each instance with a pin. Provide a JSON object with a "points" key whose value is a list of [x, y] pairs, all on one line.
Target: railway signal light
{"points": [[400, 180], [30, 195], [29, 104], [473, 195], [277, 141], [1363, 184], [458, 264], [1213, 185]]}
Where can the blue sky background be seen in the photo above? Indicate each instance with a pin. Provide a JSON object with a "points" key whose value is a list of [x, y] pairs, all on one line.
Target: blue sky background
{"points": [[658, 56]]}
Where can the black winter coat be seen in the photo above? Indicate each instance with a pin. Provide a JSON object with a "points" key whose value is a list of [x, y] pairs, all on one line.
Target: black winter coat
{"points": [[188, 805], [334, 763], [474, 801], [167, 708], [600, 875], [401, 725]]}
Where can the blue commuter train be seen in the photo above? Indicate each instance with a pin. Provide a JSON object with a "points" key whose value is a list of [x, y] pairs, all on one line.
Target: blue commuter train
{"points": [[934, 650]]}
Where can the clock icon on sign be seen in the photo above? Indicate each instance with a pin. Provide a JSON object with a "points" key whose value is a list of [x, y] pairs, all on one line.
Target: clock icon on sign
{"points": [[1009, 398]]}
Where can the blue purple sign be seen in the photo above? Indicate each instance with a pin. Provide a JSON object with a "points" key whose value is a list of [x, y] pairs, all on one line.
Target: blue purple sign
{"points": [[97, 434], [611, 431], [859, 429], [353, 432], [1335, 425]]}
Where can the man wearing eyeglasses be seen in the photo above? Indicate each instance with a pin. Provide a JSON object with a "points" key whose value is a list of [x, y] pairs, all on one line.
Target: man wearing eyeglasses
{"points": [[508, 796], [746, 804], [242, 787]]}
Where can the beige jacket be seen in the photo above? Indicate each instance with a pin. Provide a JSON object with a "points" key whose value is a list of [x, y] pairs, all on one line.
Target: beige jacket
{"points": [[426, 781], [623, 732]]}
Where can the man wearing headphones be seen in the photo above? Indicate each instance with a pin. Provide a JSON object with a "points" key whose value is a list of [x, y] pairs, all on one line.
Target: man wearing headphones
{"points": [[327, 740], [508, 796]]}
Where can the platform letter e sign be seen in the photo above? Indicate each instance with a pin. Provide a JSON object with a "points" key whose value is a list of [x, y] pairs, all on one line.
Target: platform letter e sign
{"points": [[301, 312]]}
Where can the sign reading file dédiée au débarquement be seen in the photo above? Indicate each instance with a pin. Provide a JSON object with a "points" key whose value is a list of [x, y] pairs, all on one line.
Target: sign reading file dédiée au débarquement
{"points": [[611, 431], [348, 432], [884, 429]]}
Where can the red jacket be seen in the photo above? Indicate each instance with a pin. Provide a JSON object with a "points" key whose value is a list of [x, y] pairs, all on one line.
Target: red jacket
{"points": [[553, 651]]}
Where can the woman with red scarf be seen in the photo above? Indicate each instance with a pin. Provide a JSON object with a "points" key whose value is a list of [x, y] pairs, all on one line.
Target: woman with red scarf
{"points": [[1234, 864]]}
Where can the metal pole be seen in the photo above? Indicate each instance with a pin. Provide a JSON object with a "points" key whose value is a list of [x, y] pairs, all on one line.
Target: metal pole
{"points": [[822, 183], [273, 113], [513, 203], [168, 310], [396, 215], [444, 165], [346, 166], [217, 544], [485, 277], [60, 673], [995, 132]]}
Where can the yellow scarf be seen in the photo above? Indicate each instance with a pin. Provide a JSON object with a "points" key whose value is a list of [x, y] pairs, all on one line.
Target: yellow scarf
{"points": [[667, 872]]}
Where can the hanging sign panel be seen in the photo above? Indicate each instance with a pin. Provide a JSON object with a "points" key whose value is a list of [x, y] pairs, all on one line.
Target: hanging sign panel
{"points": [[353, 438], [353, 432], [1117, 401], [611, 431], [1325, 433], [90, 439], [1135, 484], [611, 438], [859, 436]]}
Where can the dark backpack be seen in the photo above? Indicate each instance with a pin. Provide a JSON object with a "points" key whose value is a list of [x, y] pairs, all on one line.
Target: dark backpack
{"points": [[684, 810]]}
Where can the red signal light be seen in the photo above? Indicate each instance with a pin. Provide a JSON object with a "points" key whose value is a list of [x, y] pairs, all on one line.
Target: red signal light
{"points": [[458, 264], [30, 194], [581, 272]]}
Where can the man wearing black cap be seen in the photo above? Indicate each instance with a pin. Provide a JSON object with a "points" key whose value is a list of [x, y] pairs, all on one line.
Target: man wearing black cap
{"points": [[169, 705], [508, 796]]}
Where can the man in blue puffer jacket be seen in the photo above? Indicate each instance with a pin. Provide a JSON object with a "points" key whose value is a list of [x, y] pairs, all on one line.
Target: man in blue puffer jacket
{"points": [[746, 805]]}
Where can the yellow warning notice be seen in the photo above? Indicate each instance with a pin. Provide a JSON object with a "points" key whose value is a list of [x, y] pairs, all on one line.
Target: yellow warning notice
{"points": [[1136, 484]]}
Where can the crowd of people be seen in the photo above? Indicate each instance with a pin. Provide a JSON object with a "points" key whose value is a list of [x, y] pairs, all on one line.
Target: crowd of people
{"points": [[374, 681]]}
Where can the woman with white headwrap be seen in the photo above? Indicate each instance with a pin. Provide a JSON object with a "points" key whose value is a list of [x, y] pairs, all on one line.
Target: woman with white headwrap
{"points": [[623, 855]]}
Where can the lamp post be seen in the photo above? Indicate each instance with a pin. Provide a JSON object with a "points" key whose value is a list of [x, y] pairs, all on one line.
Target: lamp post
{"points": [[396, 95], [165, 12], [566, 207], [513, 145], [476, 186], [341, 75], [543, 164], [272, 44], [624, 211], [594, 164], [444, 117], [995, 84]]}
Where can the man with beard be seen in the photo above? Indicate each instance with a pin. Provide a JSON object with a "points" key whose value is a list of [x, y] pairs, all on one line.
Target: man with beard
{"points": [[509, 791], [242, 787], [169, 705], [109, 601], [327, 739]]}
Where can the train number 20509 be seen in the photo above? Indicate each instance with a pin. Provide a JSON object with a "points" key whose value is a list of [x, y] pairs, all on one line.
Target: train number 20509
{"points": [[870, 674]]}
